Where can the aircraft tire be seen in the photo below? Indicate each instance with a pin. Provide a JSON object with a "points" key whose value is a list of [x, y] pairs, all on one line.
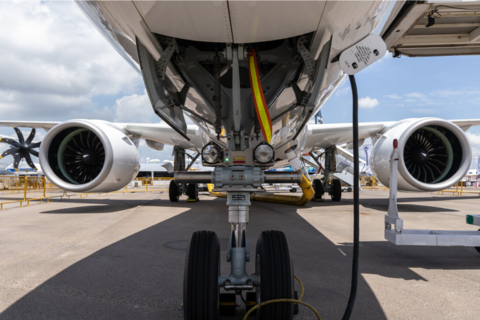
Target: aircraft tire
{"points": [[173, 192], [336, 188], [318, 187], [192, 191], [200, 281], [274, 265], [478, 248]]}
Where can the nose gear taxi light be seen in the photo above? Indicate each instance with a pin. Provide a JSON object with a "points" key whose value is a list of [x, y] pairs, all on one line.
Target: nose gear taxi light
{"points": [[264, 153], [211, 153]]}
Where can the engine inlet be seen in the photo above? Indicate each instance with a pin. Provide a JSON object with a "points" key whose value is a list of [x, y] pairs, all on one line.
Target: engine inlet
{"points": [[432, 154]]}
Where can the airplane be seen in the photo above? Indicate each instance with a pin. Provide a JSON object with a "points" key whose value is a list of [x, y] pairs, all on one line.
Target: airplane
{"points": [[251, 76]]}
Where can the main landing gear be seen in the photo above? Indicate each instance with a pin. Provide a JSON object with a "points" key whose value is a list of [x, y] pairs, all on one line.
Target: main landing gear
{"points": [[334, 189], [175, 190]]}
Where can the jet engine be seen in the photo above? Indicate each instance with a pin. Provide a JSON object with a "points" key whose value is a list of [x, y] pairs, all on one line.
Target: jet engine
{"points": [[434, 154], [88, 155]]}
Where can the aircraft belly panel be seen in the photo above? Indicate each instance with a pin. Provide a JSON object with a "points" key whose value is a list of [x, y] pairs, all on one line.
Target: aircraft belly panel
{"points": [[256, 21], [191, 20]]}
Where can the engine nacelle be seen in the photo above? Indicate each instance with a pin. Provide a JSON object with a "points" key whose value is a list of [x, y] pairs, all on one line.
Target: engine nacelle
{"points": [[88, 155], [434, 154]]}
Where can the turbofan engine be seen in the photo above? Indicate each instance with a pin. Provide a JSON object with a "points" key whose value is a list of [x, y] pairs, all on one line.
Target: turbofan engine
{"points": [[434, 154], [88, 155]]}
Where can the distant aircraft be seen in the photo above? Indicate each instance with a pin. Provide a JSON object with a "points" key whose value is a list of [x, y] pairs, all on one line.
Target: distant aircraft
{"points": [[251, 75]]}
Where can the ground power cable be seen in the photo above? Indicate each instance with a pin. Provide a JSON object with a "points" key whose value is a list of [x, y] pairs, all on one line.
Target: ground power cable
{"points": [[356, 203]]}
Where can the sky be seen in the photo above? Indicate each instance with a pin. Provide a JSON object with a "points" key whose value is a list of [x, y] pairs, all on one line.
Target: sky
{"points": [[55, 66]]}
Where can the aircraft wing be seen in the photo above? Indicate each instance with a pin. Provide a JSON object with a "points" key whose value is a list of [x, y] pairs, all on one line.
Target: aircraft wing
{"points": [[46, 125], [327, 135]]}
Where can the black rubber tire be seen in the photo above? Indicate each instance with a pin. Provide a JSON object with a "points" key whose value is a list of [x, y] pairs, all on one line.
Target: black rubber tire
{"points": [[336, 190], [293, 190], [274, 265], [478, 248], [349, 189], [192, 191], [318, 187], [173, 192], [200, 281]]}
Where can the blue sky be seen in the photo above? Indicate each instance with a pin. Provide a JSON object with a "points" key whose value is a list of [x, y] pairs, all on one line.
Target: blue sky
{"points": [[54, 65]]}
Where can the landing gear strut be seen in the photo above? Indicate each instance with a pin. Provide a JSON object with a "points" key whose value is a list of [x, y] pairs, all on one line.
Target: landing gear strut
{"points": [[175, 189]]}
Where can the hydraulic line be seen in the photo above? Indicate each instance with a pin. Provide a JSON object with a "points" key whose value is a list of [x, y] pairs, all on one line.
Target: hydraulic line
{"points": [[356, 205]]}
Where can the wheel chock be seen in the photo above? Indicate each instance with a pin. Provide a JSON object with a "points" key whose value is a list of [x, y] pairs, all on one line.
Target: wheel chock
{"points": [[227, 304], [251, 302]]}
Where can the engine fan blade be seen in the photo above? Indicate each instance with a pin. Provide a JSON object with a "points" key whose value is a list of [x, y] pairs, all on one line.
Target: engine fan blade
{"points": [[19, 135], [35, 145], [9, 151], [31, 136]]}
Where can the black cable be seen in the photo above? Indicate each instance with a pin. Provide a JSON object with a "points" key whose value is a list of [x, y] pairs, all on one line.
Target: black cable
{"points": [[356, 205]]}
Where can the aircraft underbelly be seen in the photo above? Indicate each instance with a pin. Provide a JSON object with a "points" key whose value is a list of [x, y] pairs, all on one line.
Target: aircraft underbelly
{"points": [[191, 20], [231, 21]]}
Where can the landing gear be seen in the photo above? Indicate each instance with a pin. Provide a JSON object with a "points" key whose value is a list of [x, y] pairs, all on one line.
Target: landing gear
{"points": [[478, 248], [192, 192], [173, 192], [274, 265], [319, 190], [200, 282], [336, 190]]}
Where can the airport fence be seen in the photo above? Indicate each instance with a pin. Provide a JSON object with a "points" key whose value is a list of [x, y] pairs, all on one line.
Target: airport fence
{"points": [[25, 189]]}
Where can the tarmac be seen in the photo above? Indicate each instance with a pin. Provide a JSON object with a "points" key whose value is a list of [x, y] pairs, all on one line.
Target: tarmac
{"points": [[122, 257]]}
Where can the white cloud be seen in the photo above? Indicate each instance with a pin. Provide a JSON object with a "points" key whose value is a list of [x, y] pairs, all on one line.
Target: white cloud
{"points": [[474, 139], [393, 96], [415, 95], [131, 108], [367, 103], [54, 62]]}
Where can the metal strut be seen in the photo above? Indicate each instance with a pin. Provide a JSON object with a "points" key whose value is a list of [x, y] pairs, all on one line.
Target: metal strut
{"points": [[218, 96]]}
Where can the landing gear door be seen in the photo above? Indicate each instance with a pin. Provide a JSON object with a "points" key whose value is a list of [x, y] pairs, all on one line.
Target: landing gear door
{"points": [[163, 94]]}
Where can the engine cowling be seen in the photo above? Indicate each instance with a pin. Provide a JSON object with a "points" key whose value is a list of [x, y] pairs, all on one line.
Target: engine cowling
{"points": [[88, 155], [434, 154]]}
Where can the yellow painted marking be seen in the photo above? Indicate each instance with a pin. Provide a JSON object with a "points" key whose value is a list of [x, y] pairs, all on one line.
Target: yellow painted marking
{"points": [[238, 158]]}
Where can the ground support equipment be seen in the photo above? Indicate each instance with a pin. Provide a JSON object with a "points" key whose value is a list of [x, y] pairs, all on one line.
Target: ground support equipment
{"points": [[395, 233]]}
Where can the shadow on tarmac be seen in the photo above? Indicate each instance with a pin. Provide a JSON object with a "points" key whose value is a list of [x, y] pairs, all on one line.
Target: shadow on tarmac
{"points": [[141, 276]]}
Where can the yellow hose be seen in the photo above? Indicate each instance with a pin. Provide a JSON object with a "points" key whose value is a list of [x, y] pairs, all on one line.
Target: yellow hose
{"points": [[301, 285], [281, 300], [213, 193], [305, 185]]}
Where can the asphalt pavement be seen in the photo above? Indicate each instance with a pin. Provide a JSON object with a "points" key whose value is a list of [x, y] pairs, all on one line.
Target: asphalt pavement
{"points": [[122, 257]]}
